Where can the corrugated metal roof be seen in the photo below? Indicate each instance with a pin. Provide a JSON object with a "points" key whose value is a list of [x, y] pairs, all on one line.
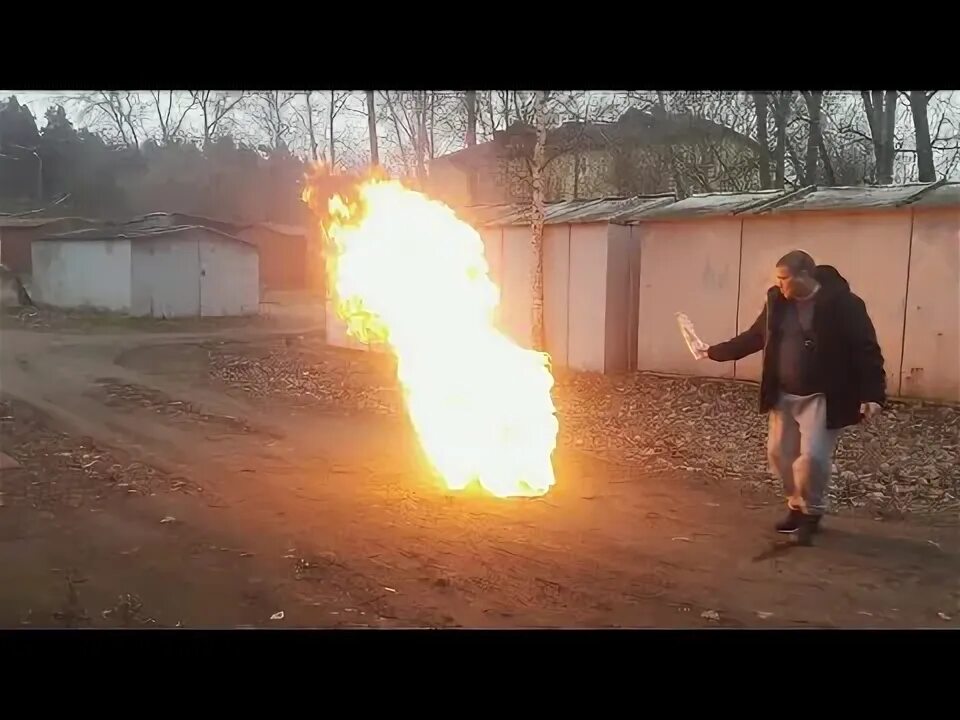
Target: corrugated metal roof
{"points": [[662, 207], [850, 198], [712, 204], [117, 233], [567, 211], [179, 219], [485, 214], [604, 210], [34, 222], [947, 195], [280, 228]]}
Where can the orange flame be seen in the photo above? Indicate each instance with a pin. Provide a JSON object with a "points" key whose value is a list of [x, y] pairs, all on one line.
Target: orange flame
{"points": [[409, 273]]}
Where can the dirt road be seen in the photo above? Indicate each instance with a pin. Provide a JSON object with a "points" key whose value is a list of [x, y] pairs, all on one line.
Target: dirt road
{"points": [[150, 496]]}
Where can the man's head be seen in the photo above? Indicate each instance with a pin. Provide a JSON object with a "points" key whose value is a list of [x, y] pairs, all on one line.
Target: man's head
{"points": [[794, 274]]}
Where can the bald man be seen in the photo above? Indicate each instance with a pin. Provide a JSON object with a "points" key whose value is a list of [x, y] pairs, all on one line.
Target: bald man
{"points": [[822, 372]]}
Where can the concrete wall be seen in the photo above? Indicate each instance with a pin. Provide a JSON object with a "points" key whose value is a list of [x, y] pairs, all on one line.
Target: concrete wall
{"points": [[82, 274], [931, 349], [691, 267], [229, 283], [869, 249], [166, 278]]}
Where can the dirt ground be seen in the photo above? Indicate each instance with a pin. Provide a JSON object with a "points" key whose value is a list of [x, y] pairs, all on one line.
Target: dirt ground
{"points": [[149, 495]]}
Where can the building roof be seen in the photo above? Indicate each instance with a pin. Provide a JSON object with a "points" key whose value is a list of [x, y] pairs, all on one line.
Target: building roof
{"points": [[866, 197], [706, 204], [279, 228], [946, 195], [35, 222], [634, 127], [124, 233], [629, 211], [567, 211], [178, 219]]}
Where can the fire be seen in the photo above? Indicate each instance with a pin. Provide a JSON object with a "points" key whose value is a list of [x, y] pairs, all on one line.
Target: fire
{"points": [[409, 273]]}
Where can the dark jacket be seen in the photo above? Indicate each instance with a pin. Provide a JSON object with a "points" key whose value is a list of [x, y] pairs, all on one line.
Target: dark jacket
{"points": [[847, 358]]}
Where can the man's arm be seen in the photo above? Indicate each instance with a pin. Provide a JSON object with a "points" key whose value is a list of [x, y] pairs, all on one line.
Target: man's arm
{"points": [[746, 343], [867, 355]]}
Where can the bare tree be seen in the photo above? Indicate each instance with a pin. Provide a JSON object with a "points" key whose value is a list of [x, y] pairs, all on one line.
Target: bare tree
{"points": [[272, 111], [170, 112], [409, 117], [471, 102], [919, 103], [760, 101], [814, 101], [881, 108], [372, 128], [781, 116], [118, 113], [337, 102], [538, 334], [307, 120], [215, 108]]}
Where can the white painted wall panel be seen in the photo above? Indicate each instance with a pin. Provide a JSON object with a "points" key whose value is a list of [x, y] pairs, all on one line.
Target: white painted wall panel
{"points": [[691, 267], [229, 277], [588, 297], [91, 274], [166, 277], [516, 267], [556, 279], [931, 353], [617, 331]]}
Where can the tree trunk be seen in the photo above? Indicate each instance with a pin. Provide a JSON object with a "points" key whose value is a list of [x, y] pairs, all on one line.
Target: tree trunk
{"points": [[471, 100], [814, 100], [333, 142], [921, 128], [760, 104], [372, 129], [890, 124], [828, 172], [433, 125], [781, 107], [679, 186], [537, 331], [314, 152], [881, 109], [420, 116]]}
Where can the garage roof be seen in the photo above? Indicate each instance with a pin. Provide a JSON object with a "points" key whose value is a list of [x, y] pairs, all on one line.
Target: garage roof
{"points": [[116, 233]]}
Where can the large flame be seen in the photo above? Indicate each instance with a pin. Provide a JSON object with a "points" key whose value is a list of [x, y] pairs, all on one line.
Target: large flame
{"points": [[409, 273]]}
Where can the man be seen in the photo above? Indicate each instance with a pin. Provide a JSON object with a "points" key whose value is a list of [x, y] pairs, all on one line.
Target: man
{"points": [[822, 371]]}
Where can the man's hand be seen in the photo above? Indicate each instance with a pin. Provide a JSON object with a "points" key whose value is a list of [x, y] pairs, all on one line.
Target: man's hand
{"points": [[870, 410]]}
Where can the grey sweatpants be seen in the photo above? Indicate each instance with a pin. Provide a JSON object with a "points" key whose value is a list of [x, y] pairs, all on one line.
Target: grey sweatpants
{"points": [[800, 449]]}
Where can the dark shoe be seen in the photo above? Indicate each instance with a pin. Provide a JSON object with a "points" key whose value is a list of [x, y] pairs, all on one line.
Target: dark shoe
{"points": [[791, 523], [809, 526]]}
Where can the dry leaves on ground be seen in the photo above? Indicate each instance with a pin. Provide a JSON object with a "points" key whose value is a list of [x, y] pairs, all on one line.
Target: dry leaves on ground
{"points": [[906, 460]]}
